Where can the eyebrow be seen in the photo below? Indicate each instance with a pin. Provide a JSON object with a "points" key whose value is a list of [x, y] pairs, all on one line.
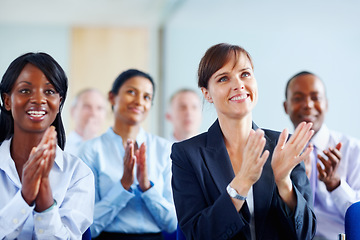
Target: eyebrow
{"points": [[139, 90], [224, 73]]}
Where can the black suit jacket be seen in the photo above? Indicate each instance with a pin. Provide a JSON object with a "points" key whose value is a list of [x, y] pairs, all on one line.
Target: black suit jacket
{"points": [[201, 172]]}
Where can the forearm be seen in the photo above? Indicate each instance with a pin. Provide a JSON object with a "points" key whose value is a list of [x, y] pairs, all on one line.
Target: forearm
{"points": [[13, 216], [161, 208], [287, 193], [107, 208], [44, 199]]}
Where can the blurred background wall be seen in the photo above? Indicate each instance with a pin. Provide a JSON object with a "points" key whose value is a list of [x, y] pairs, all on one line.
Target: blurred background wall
{"points": [[96, 40]]}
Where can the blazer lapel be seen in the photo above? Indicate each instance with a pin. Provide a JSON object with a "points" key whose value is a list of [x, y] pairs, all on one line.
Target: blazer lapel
{"points": [[217, 158]]}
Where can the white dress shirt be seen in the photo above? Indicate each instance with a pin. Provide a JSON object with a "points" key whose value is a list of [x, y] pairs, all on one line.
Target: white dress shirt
{"points": [[330, 207], [72, 185]]}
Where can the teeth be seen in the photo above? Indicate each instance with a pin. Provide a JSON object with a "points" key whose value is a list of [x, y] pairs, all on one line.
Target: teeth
{"points": [[36, 113], [239, 97]]}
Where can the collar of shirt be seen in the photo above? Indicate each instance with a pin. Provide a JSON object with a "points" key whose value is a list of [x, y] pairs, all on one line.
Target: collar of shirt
{"points": [[140, 138], [321, 138]]}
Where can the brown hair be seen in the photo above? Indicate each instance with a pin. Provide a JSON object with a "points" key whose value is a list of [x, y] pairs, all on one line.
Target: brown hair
{"points": [[215, 58]]}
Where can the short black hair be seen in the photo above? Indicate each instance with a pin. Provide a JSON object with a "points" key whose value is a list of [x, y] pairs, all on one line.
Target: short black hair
{"points": [[295, 76]]}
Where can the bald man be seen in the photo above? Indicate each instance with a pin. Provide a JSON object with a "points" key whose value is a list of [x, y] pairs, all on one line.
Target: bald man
{"points": [[184, 113], [88, 112]]}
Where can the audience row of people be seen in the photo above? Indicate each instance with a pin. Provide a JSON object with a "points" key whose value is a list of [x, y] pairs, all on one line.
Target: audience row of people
{"points": [[234, 181]]}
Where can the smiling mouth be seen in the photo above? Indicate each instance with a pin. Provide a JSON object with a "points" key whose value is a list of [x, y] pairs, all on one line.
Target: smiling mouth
{"points": [[237, 98], [36, 114]]}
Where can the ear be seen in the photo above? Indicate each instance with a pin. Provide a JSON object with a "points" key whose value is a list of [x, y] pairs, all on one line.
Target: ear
{"points": [[168, 117], [206, 94], [327, 105], [111, 98], [61, 99], [285, 107], [7, 101]]}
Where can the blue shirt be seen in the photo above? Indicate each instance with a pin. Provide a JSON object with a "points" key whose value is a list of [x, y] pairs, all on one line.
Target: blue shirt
{"points": [[133, 211], [73, 143], [72, 185]]}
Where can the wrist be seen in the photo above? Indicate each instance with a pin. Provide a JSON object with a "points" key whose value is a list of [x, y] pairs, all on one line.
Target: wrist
{"points": [[234, 194], [332, 185], [146, 187]]}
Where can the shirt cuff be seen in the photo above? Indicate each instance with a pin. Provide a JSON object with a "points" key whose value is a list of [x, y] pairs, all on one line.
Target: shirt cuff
{"points": [[343, 196], [118, 195]]}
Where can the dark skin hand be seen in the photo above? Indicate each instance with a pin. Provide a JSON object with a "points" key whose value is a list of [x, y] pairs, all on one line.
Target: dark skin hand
{"points": [[35, 175], [328, 174]]}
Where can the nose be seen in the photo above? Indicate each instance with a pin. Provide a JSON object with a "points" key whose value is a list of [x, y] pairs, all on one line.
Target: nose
{"points": [[238, 84], [309, 103], [38, 98], [138, 99]]}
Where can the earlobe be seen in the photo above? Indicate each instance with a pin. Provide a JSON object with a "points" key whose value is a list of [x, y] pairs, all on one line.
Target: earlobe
{"points": [[206, 95]]}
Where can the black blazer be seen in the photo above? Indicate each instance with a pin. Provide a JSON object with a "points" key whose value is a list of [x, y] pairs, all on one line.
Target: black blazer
{"points": [[201, 172]]}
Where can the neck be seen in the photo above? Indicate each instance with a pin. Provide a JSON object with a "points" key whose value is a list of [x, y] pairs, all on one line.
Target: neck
{"points": [[126, 131], [236, 131]]}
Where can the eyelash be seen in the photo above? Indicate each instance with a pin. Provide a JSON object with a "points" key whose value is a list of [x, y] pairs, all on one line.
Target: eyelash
{"points": [[223, 79]]}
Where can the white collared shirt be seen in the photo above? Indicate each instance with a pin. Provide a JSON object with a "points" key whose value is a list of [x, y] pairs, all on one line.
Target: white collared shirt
{"points": [[72, 185], [330, 207]]}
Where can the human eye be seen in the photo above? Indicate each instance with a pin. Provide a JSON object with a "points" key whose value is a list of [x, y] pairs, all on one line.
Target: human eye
{"points": [[130, 91], [315, 98], [223, 79], [297, 99], [50, 91], [24, 90], [245, 74], [147, 97]]}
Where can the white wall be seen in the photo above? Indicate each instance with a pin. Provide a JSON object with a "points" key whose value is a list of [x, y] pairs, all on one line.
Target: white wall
{"points": [[283, 37]]}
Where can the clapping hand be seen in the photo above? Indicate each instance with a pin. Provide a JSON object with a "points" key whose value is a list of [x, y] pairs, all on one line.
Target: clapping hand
{"points": [[328, 174], [288, 154], [35, 175]]}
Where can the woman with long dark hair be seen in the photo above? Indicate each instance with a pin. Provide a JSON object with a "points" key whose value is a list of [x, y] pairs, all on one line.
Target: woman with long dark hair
{"points": [[133, 198], [45, 192]]}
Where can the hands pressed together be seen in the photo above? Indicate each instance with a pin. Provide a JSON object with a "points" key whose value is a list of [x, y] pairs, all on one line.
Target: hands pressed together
{"points": [[135, 155], [36, 187]]}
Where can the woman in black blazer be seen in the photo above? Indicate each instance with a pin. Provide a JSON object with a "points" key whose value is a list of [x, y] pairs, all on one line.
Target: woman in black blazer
{"points": [[237, 181]]}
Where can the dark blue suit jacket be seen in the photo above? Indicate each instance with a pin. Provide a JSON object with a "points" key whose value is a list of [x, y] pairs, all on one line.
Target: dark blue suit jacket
{"points": [[202, 170]]}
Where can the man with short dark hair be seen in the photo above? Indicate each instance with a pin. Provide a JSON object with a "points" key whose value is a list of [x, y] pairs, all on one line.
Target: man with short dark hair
{"points": [[334, 166]]}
